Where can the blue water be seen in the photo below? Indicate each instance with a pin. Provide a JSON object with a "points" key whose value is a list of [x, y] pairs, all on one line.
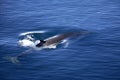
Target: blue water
{"points": [[94, 57]]}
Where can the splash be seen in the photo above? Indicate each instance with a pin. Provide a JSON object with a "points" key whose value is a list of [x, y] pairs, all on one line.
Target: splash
{"points": [[28, 40], [52, 46], [31, 32], [26, 43], [66, 45], [65, 42]]}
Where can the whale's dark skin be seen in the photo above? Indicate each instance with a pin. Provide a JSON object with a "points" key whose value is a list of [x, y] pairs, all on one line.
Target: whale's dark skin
{"points": [[59, 38]]}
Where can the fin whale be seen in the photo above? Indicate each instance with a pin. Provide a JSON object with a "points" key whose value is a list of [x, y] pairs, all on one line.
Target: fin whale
{"points": [[42, 43]]}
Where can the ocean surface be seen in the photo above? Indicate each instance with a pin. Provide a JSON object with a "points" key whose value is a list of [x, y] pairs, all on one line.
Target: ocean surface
{"points": [[95, 56]]}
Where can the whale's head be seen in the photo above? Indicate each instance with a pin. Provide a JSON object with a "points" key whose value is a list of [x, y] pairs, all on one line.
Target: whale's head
{"points": [[26, 43]]}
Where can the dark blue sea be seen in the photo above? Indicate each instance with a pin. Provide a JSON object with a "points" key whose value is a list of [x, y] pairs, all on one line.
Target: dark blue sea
{"points": [[95, 56]]}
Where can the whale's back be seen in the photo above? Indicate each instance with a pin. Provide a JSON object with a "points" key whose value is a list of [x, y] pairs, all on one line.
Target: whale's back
{"points": [[61, 37]]}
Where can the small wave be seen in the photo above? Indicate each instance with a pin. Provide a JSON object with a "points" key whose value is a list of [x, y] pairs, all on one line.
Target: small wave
{"points": [[31, 32]]}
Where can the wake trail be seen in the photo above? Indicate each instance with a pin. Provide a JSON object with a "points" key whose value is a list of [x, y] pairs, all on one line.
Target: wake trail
{"points": [[14, 59]]}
